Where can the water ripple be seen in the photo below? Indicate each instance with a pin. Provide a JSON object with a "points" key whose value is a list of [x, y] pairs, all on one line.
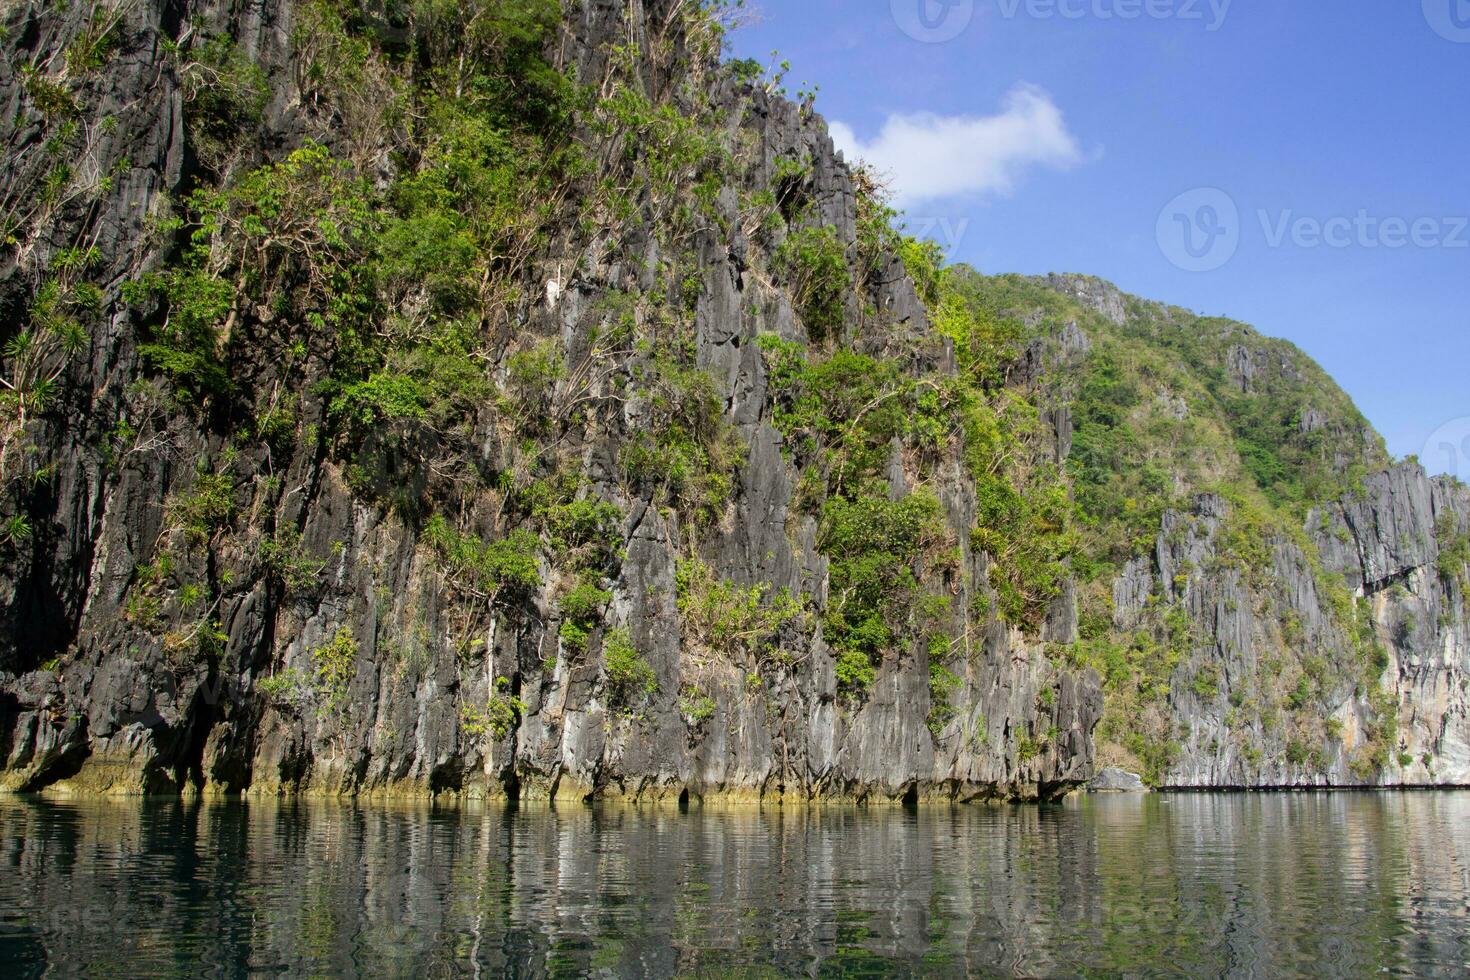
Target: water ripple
{"points": [[1257, 885]]}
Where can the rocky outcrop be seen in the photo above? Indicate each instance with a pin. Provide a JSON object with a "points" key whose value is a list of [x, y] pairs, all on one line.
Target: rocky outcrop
{"points": [[91, 702], [1249, 638], [1272, 690], [1092, 293], [1113, 780], [1396, 545], [139, 656]]}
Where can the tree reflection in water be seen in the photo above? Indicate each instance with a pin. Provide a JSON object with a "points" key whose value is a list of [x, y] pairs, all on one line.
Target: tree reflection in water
{"points": [[1351, 883]]}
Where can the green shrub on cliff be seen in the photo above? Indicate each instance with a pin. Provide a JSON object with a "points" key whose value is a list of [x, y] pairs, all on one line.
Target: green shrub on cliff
{"points": [[630, 678], [581, 609], [206, 508], [684, 453], [287, 690], [732, 620], [882, 553], [225, 94], [499, 716], [334, 664], [583, 533], [815, 262], [944, 684], [286, 561], [483, 568]]}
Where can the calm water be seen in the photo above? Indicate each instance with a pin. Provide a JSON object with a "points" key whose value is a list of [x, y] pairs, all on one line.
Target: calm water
{"points": [[1264, 885]]}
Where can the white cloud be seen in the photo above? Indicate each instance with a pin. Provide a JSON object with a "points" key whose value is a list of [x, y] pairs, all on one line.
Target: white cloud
{"points": [[927, 156]]}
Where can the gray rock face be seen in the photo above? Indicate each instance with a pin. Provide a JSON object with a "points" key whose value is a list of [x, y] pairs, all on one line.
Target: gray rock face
{"points": [[1269, 687], [1112, 780], [1388, 545], [91, 703], [1093, 293], [1273, 692]]}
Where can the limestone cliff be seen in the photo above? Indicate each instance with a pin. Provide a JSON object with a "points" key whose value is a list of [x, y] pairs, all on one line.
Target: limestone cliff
{"points": [[499, 399], [1283, 607], [220, 598]]}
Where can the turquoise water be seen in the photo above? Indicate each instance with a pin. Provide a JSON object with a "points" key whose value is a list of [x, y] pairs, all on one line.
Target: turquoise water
{"points": [[1269, 885]]}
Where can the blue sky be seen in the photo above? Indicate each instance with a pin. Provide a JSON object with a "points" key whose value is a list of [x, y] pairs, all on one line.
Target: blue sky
{"points": [[1032, 142]]}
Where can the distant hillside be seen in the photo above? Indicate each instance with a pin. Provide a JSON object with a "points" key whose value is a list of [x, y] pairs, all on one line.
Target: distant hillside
{"points": [[1230, 505]]}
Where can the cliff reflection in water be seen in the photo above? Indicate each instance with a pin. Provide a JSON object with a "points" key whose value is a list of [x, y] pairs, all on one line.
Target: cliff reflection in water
{"points": [[1267, 883]]}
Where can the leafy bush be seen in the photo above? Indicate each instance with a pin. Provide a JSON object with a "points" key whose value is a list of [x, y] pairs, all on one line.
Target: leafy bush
{"points": [[277, 429], [1025, 530], [97, 40], [1206, 684], [574, 635], [881, 552], [199, 642], [37, 356], [943, 685], [667, 149], [855, 672], [225, 94], [486, 568], [842, 411], [585, 602], [582, 610], [1155, 755], [293, 234], [207, 508], [52, 98], [286, 562], [185, 347], [986, 343], [695, 705], [534, 370], [286, 691], [745, 70], [815, 262], [491, 54], [685, 453], [498, 718], [582, 534], [1301, 695], [1454, 550], [630, 678], [730, 619], [383, 397], [334, 664], [290, 237]]}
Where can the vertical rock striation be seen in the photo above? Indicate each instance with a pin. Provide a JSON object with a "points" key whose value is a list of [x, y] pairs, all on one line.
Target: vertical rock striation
{"points": [[94, 695]]}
